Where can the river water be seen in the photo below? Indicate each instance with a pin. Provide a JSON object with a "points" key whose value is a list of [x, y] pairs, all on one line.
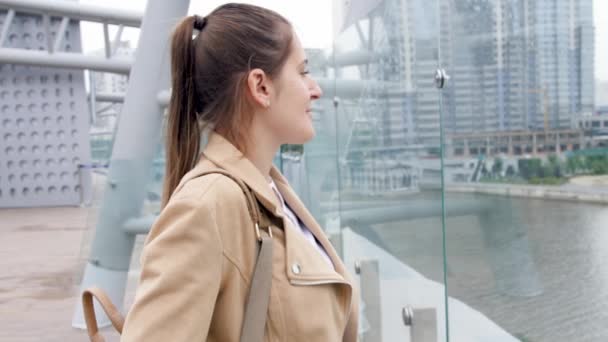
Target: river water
{"points": [[537, 268]]}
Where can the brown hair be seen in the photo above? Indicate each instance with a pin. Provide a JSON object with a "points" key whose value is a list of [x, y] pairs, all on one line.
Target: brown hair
{"points": [[208, 78]]}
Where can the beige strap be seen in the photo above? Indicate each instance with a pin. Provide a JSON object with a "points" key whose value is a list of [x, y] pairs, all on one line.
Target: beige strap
{"points": [[256, 308], [259, 294], [89, 312]]}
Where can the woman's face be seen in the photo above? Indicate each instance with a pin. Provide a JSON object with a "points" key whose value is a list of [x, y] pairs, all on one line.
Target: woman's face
{"points": [[289, 116]]}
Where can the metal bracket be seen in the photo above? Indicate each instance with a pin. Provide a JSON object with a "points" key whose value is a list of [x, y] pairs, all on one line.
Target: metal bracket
{"points": [[441, 78], [422, 323], [408, 315]]}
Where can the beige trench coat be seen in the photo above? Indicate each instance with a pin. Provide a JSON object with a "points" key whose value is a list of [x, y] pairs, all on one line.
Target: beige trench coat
{"points": [[199, 257]]}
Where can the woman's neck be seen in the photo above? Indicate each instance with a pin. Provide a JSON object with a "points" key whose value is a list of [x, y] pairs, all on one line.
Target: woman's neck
{"points": [[262, 159], [261, 149]]}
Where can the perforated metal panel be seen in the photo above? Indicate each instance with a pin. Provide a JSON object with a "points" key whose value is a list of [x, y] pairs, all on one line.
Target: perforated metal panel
{"points": [[44, 123]]}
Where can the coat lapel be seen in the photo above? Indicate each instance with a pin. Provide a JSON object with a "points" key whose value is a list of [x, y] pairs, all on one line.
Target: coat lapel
{"points": [[301, 212]]}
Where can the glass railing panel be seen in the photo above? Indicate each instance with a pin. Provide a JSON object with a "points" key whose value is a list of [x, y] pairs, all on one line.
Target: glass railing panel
{"points": [[374, 167], [525, 167]]}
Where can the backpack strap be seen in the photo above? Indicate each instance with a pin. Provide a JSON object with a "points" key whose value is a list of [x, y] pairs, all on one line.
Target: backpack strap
{"points": [[89, 312]]}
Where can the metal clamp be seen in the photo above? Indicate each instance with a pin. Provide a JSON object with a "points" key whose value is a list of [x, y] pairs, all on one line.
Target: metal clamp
{"points": [[336, 101], [408, 315], [441, 78]]}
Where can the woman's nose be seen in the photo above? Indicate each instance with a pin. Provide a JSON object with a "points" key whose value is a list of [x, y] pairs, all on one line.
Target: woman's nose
{"points": [[316, 91]]}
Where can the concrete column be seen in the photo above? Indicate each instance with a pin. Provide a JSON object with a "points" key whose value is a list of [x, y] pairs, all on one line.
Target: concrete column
{"points": [[534, 145], [510, 146]]}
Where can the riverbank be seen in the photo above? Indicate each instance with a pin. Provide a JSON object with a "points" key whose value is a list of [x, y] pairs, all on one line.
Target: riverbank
{"points": [[601, 181], [587, 189]]}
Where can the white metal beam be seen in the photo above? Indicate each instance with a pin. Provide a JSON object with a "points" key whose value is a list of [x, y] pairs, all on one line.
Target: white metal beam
{"points": [[8, 20], [76, 10], [64, 60], [109, 97], [356, 57], [106, 40], [60, 34], [331, 87], [116, 41], [132, 159]]}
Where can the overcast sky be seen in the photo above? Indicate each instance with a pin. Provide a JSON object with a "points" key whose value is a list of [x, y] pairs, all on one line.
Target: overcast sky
{"points": [[313, 22]]}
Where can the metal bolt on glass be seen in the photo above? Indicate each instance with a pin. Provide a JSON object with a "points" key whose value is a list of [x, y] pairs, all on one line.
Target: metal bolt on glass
{"points": [[441, 78]]}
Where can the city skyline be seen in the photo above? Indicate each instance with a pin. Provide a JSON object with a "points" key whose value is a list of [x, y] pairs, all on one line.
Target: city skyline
{"points": [[314, 33]]}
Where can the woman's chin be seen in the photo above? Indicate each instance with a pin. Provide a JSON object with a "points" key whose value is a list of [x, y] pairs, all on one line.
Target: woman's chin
{"points": [[310, 135], [302, 137]]}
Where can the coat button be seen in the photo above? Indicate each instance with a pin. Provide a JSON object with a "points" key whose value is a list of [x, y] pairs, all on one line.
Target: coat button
{"points": [[296, 269]]}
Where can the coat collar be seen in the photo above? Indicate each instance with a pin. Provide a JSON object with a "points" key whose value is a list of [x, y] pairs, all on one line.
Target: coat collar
{"points": [[226, 156]]}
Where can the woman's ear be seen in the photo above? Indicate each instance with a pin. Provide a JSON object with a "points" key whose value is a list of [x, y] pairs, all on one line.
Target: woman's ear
{"points": [[259, 87]]}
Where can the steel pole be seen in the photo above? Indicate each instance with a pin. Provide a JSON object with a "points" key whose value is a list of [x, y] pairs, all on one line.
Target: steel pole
{"points": [[135, 145]]}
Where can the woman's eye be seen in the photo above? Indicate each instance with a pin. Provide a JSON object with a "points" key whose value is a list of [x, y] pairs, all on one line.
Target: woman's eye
{"points": [[305, 72]]}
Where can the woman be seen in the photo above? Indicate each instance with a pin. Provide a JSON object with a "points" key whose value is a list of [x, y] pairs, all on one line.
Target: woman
{"points": [[240, 74]]}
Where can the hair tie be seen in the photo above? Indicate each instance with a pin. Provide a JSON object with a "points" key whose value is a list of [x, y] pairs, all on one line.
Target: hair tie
{"points": [[199, 22]]}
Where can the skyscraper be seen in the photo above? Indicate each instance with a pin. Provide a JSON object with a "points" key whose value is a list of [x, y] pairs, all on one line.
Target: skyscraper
{"points": [[514, 65], [520, 64]]}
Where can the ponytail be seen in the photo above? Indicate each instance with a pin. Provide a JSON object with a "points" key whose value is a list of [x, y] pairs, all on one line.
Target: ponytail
{"points": [[183, 133], [208, 79]]}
